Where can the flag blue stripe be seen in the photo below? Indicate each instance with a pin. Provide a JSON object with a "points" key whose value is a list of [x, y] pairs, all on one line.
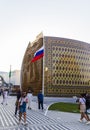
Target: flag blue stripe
{"points": [[39, 52]]}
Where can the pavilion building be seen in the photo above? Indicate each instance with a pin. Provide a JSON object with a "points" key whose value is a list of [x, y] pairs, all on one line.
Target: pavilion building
{"points": [[64, 69]]}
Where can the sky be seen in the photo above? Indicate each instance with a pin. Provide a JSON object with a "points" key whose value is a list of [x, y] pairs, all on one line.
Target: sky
{"points": [[22, 20]]}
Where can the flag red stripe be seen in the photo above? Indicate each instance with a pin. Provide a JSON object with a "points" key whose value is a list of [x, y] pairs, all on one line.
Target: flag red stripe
{"points": [[37, 57]]}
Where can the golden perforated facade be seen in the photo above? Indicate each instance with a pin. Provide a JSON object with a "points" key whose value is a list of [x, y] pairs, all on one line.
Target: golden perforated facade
{"points": [[66, 67]]}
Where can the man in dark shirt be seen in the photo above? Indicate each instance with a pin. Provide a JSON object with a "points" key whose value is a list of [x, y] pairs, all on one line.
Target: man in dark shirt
{"points": [[87, 97], [40, 100], [17, 100]]}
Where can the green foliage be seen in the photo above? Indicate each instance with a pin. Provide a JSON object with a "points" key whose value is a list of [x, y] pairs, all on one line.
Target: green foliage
{"points": [[65, 107]]}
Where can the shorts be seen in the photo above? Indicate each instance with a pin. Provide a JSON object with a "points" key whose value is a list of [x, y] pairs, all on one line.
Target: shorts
{"points": [[22, 109]]}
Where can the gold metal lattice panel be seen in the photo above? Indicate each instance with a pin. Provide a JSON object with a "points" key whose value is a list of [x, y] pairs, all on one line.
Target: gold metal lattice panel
{"points": [[69, 65]]}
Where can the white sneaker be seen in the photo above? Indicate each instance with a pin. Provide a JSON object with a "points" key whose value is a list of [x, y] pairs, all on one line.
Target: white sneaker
{"points": [[80, 120], [25, 123], [88, 123]]}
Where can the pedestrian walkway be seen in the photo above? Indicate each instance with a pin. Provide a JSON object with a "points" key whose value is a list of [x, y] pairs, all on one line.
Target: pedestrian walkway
{"points": [[37, 120], [69, 120]]}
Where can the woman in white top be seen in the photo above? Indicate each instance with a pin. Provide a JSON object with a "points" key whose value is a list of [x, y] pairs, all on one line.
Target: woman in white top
{"points": [[82, 104], [29, 96]]}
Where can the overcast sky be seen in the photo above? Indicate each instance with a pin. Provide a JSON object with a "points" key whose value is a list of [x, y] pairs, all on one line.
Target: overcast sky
{"points": [[22, 20]]}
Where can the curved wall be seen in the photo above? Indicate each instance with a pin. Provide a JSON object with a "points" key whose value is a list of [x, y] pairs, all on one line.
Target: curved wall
{"points": [[66, 67], [31, 73]]}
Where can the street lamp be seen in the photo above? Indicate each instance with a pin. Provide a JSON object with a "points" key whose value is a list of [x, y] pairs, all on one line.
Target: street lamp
{"points": [[46, 78], [46, 69]]}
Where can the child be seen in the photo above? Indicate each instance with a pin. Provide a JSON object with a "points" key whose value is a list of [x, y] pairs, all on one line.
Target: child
{"points": [[22, 107]]}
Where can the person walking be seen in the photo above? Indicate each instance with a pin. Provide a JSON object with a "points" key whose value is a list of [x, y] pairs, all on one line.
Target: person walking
{"points": [[22, 107], [82, 104], [29, 96], [40, 100], [17, 101], [87, 97], [5, 96], [2, 93]]}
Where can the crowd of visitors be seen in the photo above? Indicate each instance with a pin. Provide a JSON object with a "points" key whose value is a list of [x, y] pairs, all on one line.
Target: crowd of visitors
{"points": [[24, 102]]}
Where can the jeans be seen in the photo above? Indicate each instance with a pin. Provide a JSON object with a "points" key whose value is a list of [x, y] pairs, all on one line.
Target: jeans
{"points": [[40, 104]]}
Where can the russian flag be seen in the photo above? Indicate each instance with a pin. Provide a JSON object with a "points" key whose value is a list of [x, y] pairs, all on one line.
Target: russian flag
{"points": [[38, 54]]}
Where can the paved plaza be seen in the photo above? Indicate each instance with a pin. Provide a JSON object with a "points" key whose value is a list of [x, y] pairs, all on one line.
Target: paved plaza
{"points": [[38, 119]]}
